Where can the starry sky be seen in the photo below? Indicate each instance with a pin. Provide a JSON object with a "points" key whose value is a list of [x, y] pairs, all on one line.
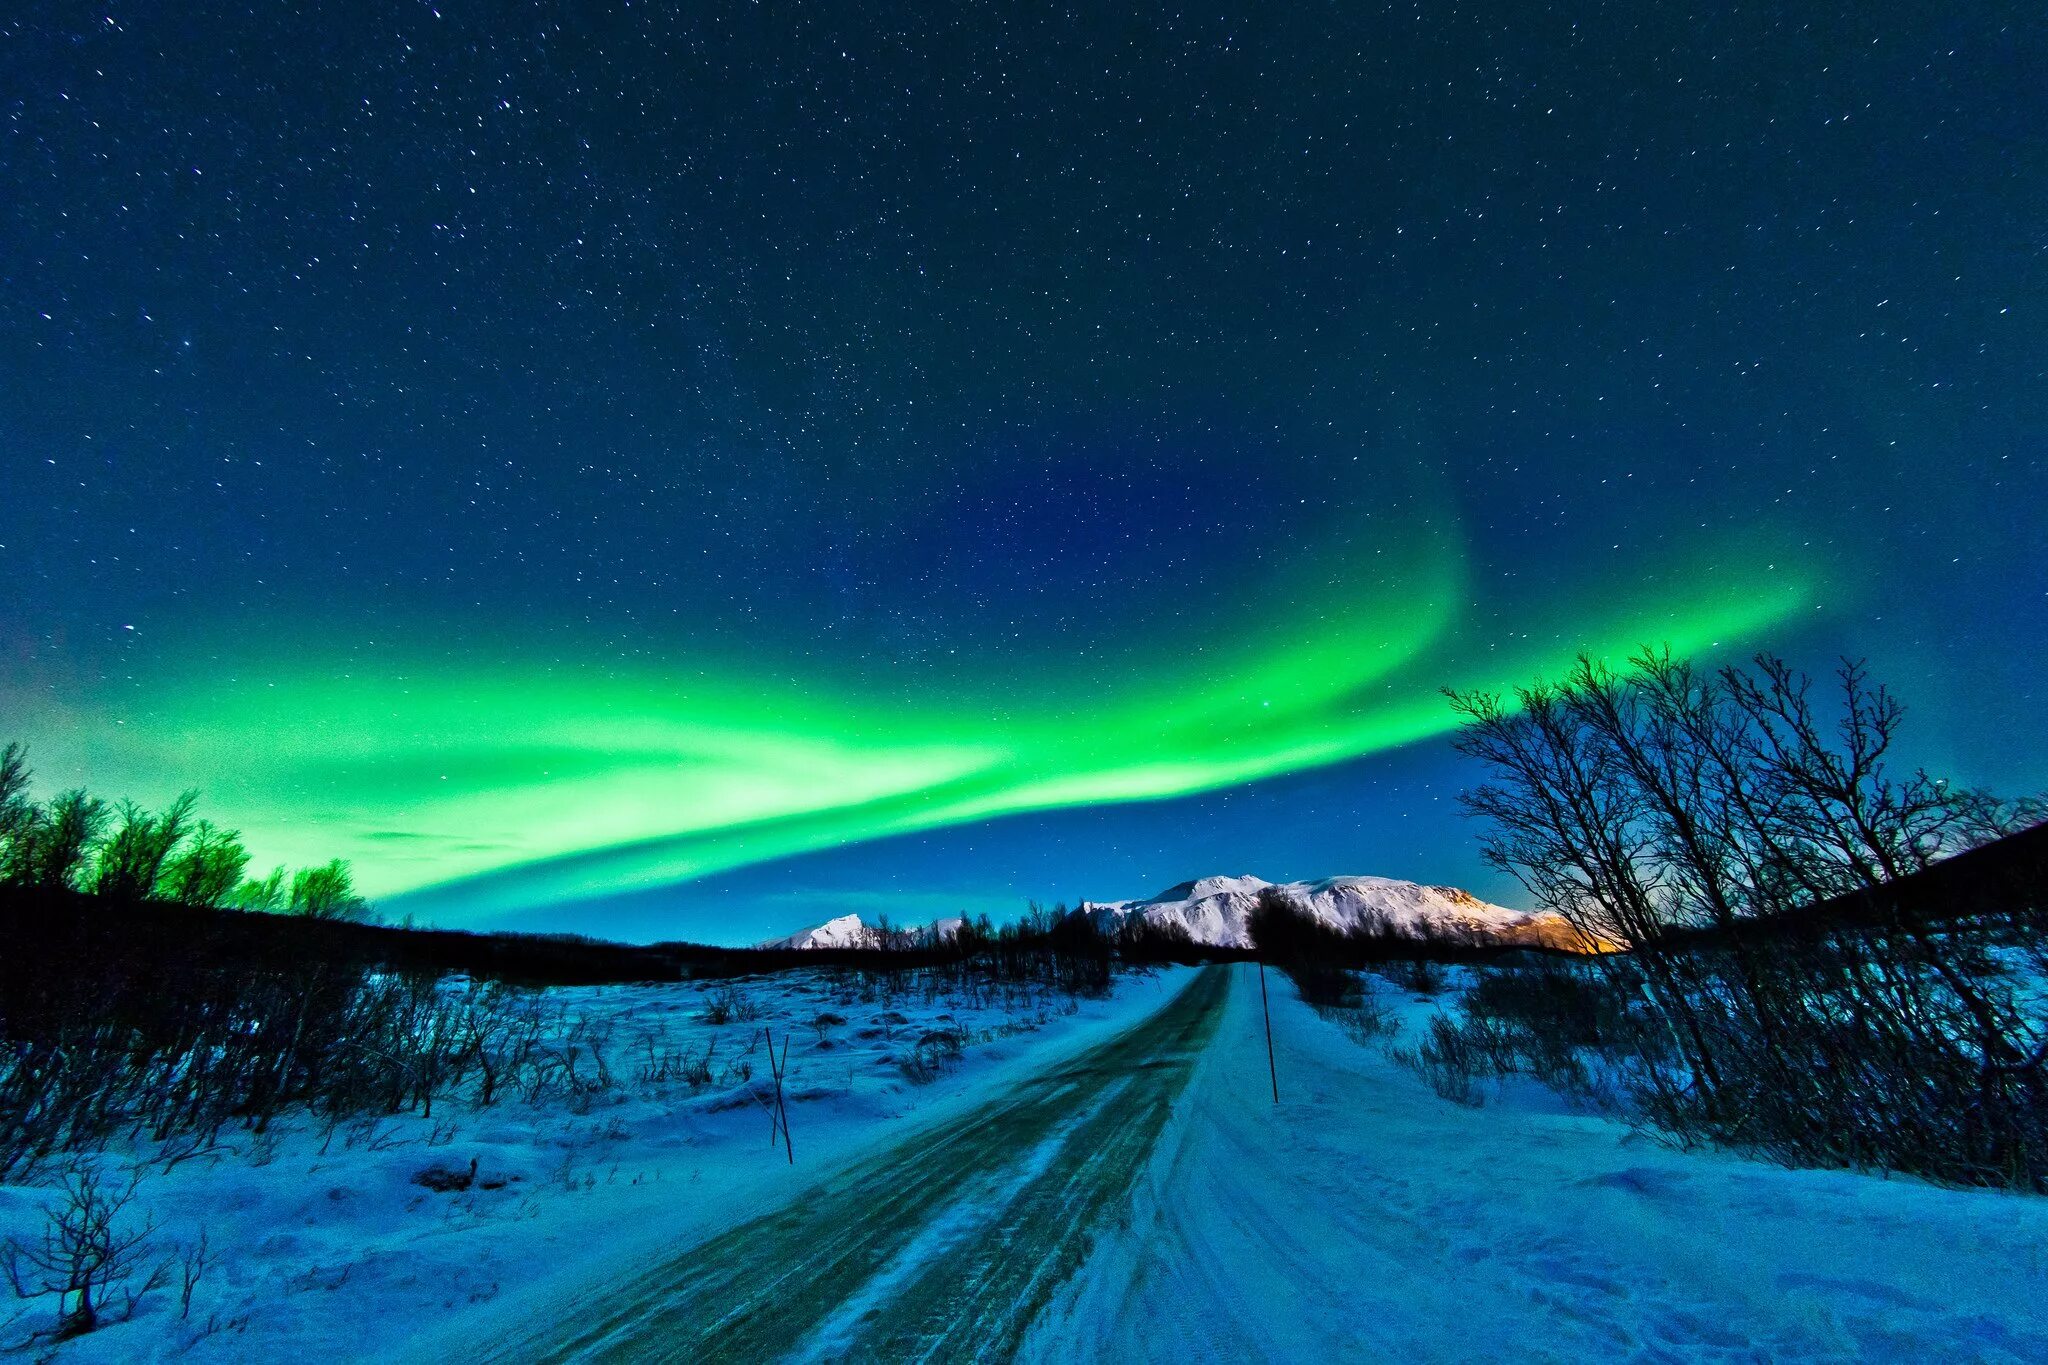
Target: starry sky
{"points": [[692, 470]]}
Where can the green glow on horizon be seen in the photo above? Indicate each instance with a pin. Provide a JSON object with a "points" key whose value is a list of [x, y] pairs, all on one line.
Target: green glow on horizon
{"points": [[469, 790]]}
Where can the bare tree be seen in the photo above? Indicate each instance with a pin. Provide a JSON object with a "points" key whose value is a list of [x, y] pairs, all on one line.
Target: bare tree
{"points": [[265, 893], [1693, 818], [132, 860], [208, 869], [326, 892], [17, 812], [86, 1250], [59, 840]]}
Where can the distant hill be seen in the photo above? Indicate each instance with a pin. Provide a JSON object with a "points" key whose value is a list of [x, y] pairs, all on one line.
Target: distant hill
{"points": [[1215, 910], [850, 931]]}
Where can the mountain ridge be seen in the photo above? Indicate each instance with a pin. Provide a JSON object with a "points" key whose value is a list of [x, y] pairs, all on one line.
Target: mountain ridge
{"points": [[1215, 911]]}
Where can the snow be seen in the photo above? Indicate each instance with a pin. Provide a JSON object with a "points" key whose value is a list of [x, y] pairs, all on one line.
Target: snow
{"points": [[1365, 1217], [338, 1253], [847, 931], [1362, 1216], [850, 931], [1215, 910]]}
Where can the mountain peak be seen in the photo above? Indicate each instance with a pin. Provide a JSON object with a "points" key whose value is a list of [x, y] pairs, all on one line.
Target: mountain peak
{"points": [[844, 931], [851, 931], [1211, 886]]}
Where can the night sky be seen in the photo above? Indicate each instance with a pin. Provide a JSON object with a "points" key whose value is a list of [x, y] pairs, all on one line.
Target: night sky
{"points": [[690, 470]]}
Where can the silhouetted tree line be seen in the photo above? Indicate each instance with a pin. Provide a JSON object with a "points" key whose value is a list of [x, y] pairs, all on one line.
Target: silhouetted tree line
{"points": [[166, 1022], [1062, 950], [1282, 931], [1804, 975], [78, 842]]}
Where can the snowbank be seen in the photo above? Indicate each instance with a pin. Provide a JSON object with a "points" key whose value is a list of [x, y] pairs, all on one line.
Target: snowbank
{"points": [[1364, 1217]]}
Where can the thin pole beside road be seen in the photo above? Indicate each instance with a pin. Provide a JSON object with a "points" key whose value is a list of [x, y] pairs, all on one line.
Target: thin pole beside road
{"points": [[1267, 1009]]}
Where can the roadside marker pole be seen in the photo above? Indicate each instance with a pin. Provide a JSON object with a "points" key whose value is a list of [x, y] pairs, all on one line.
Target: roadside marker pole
{"points": [[1271, 1068], [782, 1112], [788, 1142]]}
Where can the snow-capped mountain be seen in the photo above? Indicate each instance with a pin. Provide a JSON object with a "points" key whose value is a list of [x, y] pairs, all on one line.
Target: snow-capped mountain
{"points": [[1215, 910], [850, 931], [845, 932]]}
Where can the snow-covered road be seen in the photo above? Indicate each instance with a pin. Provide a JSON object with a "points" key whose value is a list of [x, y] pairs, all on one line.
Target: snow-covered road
{"points": [[945, 1246]]}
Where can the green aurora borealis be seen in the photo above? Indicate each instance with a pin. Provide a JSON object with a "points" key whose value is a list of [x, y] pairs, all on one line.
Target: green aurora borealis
{"points": [[503, 788]]}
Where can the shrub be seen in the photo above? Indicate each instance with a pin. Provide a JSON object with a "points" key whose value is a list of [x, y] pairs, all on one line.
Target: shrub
{"points": [[1325, 987], [207, 869], [1418, 975], [88, 1249], [723, 1005], [178, 1036], [1446, 1061], [1367, 1021], [928, 1059]]}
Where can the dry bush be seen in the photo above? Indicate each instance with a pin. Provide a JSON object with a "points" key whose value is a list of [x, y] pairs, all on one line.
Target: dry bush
{"points": [[1416, 975], [722, 1005], [1447, 1061], [90, 1249], [1368, 1021], [928, 1059]]}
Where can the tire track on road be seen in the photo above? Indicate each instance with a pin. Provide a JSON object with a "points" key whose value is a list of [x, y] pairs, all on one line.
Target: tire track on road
{"points": [[968, 1228]]}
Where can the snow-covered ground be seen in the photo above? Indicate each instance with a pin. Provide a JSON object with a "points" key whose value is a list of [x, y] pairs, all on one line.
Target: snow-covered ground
{"points": [[1364, 1217], [1360, 1217], [323, 1245]]}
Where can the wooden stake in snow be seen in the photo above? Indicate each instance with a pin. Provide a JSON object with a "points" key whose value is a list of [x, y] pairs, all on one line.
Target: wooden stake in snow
{"points": [[781, 1111], [1272, 1069]]}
